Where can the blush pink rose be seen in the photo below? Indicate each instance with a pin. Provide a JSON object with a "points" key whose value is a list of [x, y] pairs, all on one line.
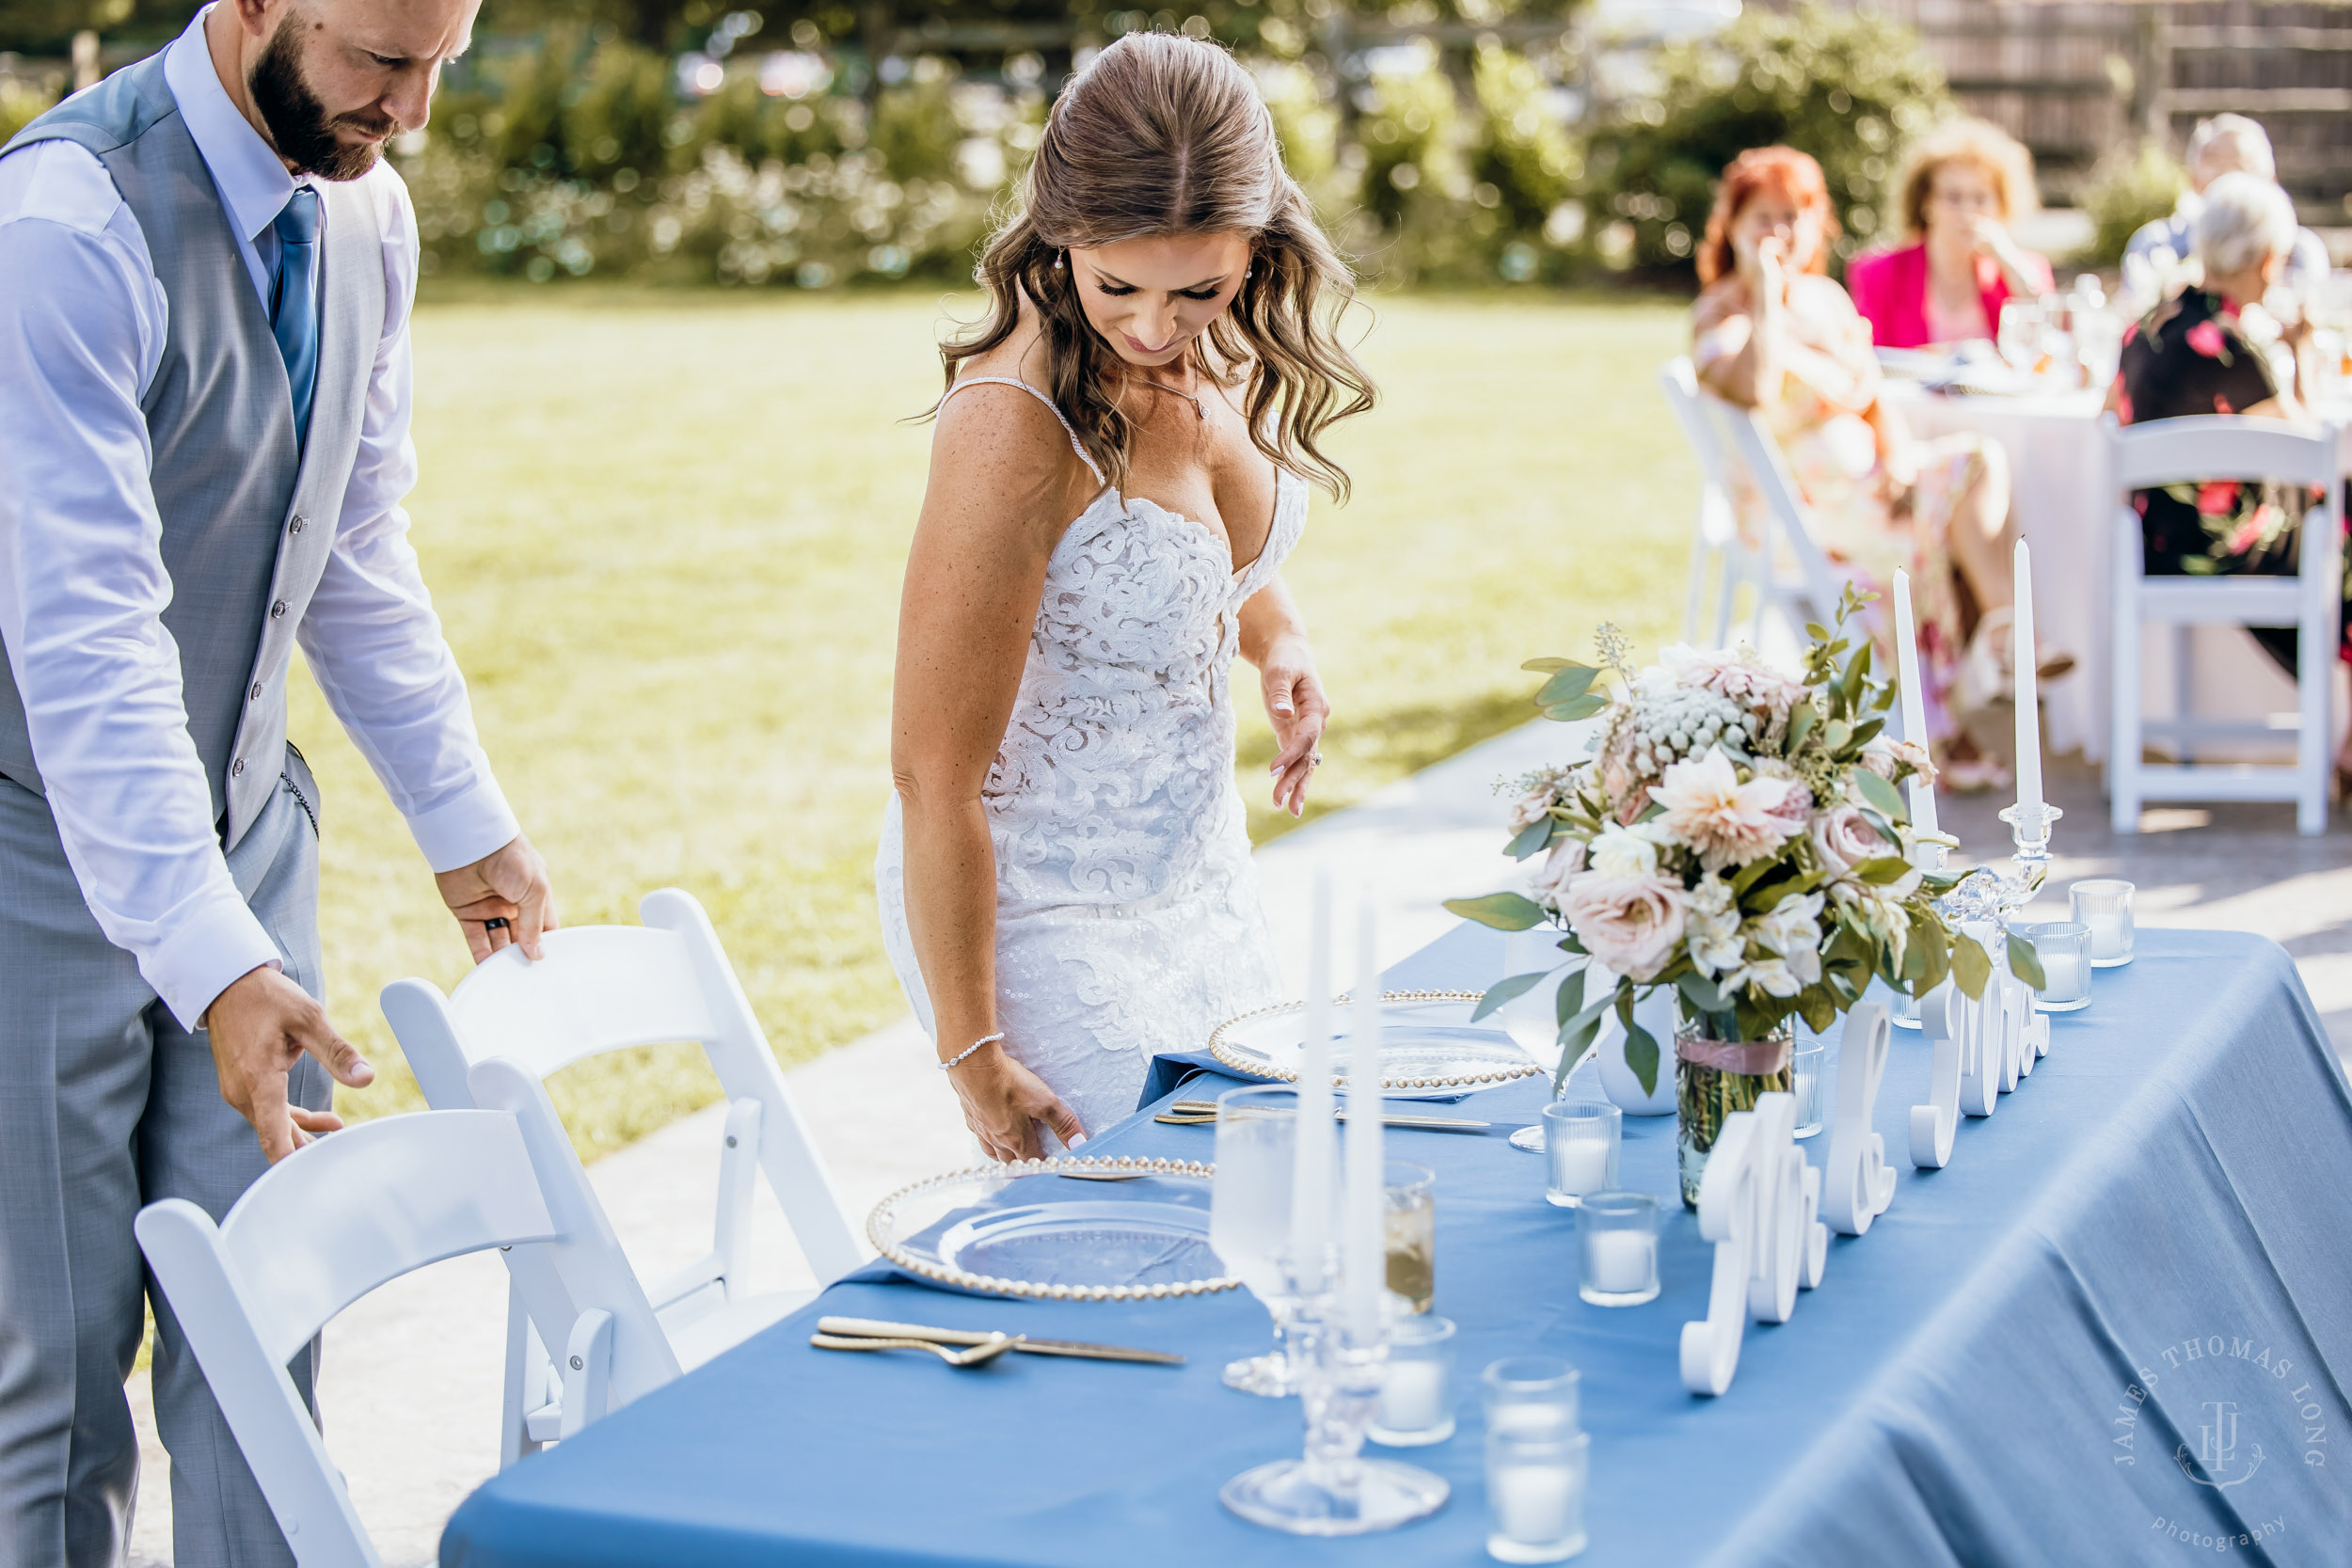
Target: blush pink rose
{"points": [[1562, 866], [1843, 838], [1631, 924]]}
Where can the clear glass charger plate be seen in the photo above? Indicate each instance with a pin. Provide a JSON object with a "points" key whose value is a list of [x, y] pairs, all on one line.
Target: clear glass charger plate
{"points": [[1069, 1229], [1428, 1042]]}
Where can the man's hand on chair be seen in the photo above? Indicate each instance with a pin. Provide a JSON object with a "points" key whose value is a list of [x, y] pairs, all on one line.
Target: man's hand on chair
{"points": [[502, 897], [260, 1028]]}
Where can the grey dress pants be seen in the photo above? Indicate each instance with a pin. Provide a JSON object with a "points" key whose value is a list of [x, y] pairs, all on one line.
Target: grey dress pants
{"points": [[107, 1104]]}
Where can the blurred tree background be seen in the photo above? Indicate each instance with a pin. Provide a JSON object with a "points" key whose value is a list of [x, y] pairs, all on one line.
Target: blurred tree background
{"points": [[864, 141]]}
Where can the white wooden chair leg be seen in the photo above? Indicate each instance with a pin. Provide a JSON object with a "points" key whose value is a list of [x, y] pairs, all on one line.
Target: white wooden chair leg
{"points": [[523, 1360], [2184, 689], [587, 1370], [2123, 740], [738, 1168]]}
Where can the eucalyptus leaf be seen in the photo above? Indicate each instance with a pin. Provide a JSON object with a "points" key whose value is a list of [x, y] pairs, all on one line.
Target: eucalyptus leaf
{"points": [[1504, 912], [1502, 991], [1579, 708], [1705, 994], [1570, 681], [1570, 1000], [1867, 730], [1879, 793], [1801, 722], [1885, 869], [1574, 1036], [1534, 838], [1546, 666], [1972, 966], [2026, 963], [1640, 1054]]}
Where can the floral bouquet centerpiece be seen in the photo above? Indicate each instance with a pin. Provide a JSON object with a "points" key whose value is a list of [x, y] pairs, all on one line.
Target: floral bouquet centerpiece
{"points": [[1739, 837]]}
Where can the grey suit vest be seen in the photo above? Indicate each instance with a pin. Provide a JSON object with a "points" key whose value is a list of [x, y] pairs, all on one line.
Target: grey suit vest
{"points": [[248, 514]]}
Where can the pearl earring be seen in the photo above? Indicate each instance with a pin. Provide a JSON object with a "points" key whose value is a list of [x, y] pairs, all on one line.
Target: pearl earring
{"points": [[1057, 256]]}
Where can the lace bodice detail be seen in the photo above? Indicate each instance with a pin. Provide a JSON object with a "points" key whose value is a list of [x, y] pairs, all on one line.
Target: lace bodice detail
{"points": [[1117, 765], [1127, 915]]}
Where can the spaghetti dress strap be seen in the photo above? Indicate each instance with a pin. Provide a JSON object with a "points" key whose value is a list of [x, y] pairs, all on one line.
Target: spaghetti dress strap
{"points": [[1015, 381]]}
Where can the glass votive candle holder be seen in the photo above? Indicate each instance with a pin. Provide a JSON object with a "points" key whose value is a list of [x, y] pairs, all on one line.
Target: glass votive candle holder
{"points": [[1416, 1409], [1410, 1220], [1535, 1495], [1530, 1395], [2065, 948], [1617, 1249], [1805, 1069], [2105, 906], [1580, 1140]]}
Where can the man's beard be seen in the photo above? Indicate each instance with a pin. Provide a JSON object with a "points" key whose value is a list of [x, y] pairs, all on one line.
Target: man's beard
{"points": [[299, 123]]}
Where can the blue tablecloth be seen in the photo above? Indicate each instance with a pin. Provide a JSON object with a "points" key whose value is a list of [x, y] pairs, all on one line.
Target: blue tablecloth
{"points": [[2147, 1251]]}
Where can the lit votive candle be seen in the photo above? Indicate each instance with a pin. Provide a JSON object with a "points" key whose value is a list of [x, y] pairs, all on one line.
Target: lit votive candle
{"points": [[1580, 1140], [2065, 948], [1534, 1504], [1414, 1408], [2105, 906], [1618, 1247]]}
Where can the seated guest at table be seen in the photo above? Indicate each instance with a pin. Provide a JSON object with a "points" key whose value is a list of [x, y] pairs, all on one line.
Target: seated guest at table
{"points": [[1773, 333], [1966, 183], [2191, 357], [2226, 144]]}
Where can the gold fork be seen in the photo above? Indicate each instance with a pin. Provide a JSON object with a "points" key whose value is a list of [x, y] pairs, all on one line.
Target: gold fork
{"points": [[980, 1354]]}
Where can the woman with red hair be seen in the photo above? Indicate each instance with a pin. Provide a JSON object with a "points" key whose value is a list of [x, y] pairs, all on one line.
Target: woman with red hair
{"points": [[1774, 333]]}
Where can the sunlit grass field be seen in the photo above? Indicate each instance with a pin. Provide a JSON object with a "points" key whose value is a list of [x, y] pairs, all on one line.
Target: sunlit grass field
{"points": [[665, 534]]}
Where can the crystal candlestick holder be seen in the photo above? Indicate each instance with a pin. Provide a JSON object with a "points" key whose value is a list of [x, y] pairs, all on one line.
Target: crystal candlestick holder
{"points": [[1332, 1489], [1987, 897]]}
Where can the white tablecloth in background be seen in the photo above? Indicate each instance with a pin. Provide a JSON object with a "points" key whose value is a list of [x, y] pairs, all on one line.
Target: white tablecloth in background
{"points": [[2057, 475]]}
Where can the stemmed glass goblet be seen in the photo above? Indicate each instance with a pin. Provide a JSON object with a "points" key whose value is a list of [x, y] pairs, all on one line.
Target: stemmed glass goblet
{"points": [[1249, 1222]]}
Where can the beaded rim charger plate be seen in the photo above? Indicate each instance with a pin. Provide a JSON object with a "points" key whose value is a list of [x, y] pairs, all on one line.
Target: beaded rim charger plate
{"points": [[1067, 1229], [1428, 1042]]}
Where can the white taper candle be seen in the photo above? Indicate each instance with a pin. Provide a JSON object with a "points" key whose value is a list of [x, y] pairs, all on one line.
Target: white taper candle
{"points": [[1366, 1266], [1914, 703], [2029, 690], [1311, 1175]]}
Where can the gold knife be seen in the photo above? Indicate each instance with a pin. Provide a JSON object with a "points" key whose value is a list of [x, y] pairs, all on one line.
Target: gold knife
{"points": [[1427, 1124], [870, 1328]]}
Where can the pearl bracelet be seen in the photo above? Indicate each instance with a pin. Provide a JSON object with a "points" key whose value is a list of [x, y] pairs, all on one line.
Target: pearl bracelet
{"points": [[984, 1039]]}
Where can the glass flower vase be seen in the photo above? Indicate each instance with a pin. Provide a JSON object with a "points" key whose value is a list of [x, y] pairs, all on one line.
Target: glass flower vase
{"points": [[1715, 1078]]}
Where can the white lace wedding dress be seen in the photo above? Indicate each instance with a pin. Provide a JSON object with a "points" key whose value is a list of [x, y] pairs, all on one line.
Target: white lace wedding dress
{"points": [[1127, 913]]}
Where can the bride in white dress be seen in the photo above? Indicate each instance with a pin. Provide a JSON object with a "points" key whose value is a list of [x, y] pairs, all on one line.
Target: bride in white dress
{"points": [[1120, 465]]}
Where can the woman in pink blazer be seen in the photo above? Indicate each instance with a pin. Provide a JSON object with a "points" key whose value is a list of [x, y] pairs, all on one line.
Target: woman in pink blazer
{"points": [[1967, 181]]}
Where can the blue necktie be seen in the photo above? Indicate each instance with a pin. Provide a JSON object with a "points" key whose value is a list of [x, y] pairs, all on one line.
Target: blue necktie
{"points": [[293, 301]]}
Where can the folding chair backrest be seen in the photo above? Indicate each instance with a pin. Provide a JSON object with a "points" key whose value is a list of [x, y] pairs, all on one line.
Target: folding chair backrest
{"points": [[1756, 451], [604, 988], [1680, 381], [372, 1203], [2219, 447], [349, 1213]]}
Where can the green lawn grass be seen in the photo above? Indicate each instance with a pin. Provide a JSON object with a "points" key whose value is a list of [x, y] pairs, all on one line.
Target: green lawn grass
{"points": [[665, 534]]}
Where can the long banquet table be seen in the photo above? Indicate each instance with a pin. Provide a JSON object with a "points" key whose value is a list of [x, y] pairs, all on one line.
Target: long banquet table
{"points": [[2058, 478], [2151, 1241]]}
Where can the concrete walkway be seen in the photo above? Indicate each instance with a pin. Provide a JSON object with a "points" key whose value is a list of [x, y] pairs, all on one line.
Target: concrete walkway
{"points": [[411, 1384]]}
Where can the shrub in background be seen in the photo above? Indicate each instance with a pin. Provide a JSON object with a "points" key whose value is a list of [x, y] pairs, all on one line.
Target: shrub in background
{"points": [[575, 158], [2126, 190], [1849, 88], [20, 102]]}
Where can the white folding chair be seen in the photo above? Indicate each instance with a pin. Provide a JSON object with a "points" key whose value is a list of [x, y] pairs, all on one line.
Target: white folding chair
{"points": [[1724, 434], [605, 988], [362, 1207], [2213, 448], [1716, 551]]}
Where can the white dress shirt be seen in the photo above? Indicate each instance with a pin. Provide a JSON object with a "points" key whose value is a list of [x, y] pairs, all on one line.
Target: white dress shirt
{"points": [[82, 580]]}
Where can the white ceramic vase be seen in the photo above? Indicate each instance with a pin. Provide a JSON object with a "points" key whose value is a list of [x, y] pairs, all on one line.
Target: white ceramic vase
{"points": [[1655, 1013]]}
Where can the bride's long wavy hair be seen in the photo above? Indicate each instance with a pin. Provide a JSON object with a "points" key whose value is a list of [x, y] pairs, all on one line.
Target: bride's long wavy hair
{"points": [[1165, 134]]}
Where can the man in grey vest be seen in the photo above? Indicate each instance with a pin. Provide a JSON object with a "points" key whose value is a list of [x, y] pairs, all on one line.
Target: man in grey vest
{"points": [[205, 279]]}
